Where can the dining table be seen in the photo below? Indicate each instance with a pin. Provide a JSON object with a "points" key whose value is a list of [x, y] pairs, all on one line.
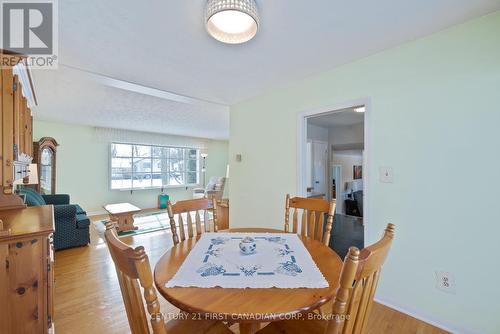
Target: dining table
{"points": [[249, 307]]}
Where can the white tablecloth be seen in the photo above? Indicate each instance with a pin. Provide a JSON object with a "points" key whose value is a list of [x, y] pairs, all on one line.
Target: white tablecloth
{"points": [[281, 261]]}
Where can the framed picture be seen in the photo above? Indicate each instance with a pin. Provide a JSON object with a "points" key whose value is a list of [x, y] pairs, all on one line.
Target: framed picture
{"points": [[357, 172]]}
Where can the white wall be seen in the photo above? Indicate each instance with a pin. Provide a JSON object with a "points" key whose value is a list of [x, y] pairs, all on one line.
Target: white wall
{"points": [[347, 160], [83, 165], [434, 110]]}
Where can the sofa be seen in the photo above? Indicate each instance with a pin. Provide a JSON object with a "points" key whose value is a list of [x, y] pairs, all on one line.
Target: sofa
{"points": [[71, 221]]}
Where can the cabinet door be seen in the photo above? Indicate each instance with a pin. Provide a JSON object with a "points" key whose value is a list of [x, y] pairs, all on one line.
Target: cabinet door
{"points": [[18, 116], [7, 131], [22, 287], [319, 163], [5, 315], [50, 280], [29, 133]]}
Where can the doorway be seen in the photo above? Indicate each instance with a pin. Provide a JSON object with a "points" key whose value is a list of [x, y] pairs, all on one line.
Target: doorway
{"points": [[343, 129]]}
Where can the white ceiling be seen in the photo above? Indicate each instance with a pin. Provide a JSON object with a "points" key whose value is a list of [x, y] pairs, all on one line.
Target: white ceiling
{"points": [[71, 96], [343, 117], [163, 45]]}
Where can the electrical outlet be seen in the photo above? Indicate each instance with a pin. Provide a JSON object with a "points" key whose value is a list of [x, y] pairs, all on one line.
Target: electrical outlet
{"points": [[445, 281]]}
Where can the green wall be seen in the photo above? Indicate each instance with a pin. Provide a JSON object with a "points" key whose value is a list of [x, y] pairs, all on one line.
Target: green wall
{"points": [[434, 118], [83, 168]]}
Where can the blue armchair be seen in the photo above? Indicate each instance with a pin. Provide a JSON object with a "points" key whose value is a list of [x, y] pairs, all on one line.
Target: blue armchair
{"points": [[72, 223]]}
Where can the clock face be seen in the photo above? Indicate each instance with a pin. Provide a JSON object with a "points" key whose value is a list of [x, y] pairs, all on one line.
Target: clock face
{"points": [[46, 157]]}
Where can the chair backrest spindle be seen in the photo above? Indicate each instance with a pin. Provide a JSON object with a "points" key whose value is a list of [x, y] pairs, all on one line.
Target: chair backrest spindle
{"points": [[221, 214], [312, 219], [181, 209], [287, 215]]}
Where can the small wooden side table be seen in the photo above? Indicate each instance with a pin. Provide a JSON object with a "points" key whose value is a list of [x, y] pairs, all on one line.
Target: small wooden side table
{"points": [[123, 215]]}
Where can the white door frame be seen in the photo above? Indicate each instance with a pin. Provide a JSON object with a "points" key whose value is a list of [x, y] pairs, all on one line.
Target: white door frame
{"points": [[301, 149], [338, 182]]}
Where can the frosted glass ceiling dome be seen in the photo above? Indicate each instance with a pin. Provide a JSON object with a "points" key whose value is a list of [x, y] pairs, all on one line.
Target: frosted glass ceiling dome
{"points": [[232, 21]]}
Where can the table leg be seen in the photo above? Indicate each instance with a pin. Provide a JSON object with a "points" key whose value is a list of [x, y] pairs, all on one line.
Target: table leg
{"points": [[125, 222], [249, 327]]}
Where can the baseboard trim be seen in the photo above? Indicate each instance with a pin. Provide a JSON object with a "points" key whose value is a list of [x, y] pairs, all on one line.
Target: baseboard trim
{"points": [[452, 328], [96, 213]]}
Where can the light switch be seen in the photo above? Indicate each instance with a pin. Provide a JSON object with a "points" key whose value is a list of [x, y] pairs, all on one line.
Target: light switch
{"points": [[386, 174]]}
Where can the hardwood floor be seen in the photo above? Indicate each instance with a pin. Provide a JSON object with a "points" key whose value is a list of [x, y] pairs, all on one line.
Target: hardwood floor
{"points": [[83, 274]]}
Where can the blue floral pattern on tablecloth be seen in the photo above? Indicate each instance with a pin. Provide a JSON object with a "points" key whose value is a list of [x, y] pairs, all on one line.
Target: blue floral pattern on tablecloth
{"points": [[278, 240], [219, 241], [210, 269], [289, 268], [283, 251], [249, 270], [214, 252], [281, 260]]}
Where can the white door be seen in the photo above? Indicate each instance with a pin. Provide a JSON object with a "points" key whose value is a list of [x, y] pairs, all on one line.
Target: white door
{"points": [[319, 167], [339, 193], [309, 173]]}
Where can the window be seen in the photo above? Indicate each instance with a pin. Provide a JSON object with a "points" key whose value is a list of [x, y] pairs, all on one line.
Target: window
{"points": [[146, 166]]}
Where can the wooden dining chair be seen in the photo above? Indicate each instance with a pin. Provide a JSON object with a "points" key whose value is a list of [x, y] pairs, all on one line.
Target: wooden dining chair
{"points": [[186, 209], [354, 298], [312, 219], [133, 270], [222, 208]]}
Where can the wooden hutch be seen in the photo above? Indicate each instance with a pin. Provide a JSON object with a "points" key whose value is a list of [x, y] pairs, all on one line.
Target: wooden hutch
{"points": [[26, 252], [16, 132]]}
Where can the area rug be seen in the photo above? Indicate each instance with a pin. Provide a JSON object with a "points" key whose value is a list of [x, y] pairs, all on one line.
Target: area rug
{"points": [[145, 223]]}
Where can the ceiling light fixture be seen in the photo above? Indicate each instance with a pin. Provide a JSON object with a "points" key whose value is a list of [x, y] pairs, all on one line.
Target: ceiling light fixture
{"points": [[360, 109], [232, 21]]}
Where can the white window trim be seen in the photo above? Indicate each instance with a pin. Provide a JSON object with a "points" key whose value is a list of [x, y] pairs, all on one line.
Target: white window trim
{"points": [[177, 186]]}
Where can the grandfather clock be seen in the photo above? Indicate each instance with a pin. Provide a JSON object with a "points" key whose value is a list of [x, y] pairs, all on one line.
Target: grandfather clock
{"points": [[44, 153]]}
